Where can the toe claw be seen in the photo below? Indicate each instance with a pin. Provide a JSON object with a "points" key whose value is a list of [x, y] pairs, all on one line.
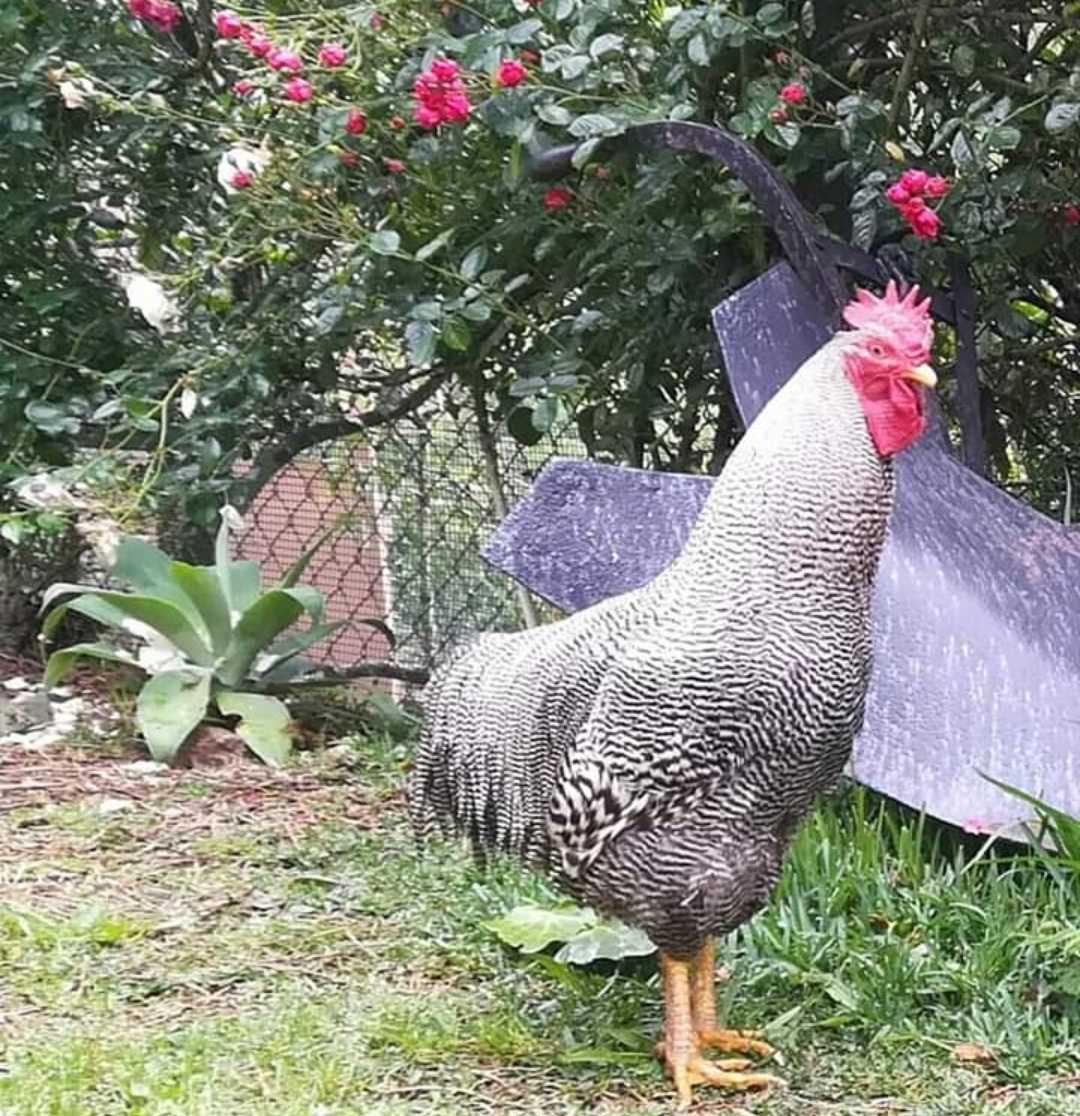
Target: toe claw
{"points": [[713, 1074], [736, 1042]]}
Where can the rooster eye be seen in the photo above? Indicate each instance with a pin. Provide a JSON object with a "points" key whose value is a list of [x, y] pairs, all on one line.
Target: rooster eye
{"points": [[877, 350]]}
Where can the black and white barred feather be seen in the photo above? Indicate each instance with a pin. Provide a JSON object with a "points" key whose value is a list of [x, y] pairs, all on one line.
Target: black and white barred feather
{"points": [[656, 752]]}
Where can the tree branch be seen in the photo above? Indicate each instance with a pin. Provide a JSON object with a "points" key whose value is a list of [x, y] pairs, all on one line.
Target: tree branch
{"points": [[868, 27], [907, 71], [375, 668], [274, 454]]}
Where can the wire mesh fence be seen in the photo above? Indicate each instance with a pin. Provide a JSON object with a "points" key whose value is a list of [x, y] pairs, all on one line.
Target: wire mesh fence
{"points": [[406, 509]]}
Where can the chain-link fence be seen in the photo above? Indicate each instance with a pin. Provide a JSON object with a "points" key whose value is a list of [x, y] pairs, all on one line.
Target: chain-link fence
{"points": [[406, 509]]}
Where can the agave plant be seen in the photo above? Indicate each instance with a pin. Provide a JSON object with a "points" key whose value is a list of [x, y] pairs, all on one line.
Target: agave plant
{"points": [[214, 639]]}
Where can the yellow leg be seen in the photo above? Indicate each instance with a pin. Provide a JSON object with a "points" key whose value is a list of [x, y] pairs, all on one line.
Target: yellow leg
{"points": [[703, 1005], [680, 1045]]}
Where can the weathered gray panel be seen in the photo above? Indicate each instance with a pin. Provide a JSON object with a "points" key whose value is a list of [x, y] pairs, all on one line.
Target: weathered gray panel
{"points": [[977, 649]]}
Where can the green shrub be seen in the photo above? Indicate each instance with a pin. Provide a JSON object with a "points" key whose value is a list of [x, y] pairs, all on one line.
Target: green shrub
{"points": [[214, 641]]}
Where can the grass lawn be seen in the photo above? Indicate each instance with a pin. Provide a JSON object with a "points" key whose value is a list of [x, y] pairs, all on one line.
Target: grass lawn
{"points": [[235, 941]]}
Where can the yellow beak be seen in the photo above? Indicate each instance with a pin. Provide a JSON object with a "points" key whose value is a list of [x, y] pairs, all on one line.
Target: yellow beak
{"points": [[922, 374]]}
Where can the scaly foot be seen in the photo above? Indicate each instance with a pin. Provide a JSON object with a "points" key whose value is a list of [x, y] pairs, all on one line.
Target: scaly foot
{"points": [[700, 1071], [680, 1047], [735, 1042]]}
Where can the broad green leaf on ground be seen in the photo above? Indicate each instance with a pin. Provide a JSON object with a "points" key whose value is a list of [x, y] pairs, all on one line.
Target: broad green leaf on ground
{"points": [[169, 707], [263, 726], [530, 928]]}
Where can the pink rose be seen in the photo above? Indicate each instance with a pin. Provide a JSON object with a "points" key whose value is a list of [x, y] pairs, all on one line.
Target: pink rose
{"points": [[281, 58], [298, 90], [510, 73], [558, 197], [444, 69], [897, 194], [356, 122], [1071, 214], [426, 117], [394, 166], [242, 88], [794, 93], [241, 179], [332, 55], [925, 224], [440, 96], [259, 45], [163, 15], [914, 181], [456, 107], [937, 187], [228, 25], [778, 115]]}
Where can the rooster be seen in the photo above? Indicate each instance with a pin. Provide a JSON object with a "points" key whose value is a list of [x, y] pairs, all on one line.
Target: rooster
{"points": [[657, 752]]}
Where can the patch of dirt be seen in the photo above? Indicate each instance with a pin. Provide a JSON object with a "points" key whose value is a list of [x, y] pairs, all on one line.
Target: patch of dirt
{"points": [[147, 816]]}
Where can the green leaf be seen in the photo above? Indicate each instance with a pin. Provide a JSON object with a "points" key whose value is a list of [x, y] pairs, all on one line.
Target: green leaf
{"points": [[474, 262], [50, 418], [584, 151], [385, 242], [163, 616], [1062, 116], [864, 228], [259, 626], [1006, 138], [530, 928], [787, 133], [264, 724], [606, 44], [607, 940], [241, 584], [769, 13], [61, 662], [963, 60], [522, 32], [697, 51], [594, 124], [544, 414], [553, 114], [574, 66], [433, 246], [455, 335], [293, 574], [294, 645], [963, 156], [420, 340], [149, 570], [203, 588], [170, 706]]}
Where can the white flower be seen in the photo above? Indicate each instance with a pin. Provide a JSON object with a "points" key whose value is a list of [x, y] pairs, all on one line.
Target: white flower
{"points": [[75, 92], [149, 298]]}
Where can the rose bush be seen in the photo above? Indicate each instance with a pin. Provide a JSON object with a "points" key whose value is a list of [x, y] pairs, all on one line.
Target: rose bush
{"points": [[378, 237]]}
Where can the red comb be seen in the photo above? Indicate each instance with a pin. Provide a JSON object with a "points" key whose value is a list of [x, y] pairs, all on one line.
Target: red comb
{"points": [[907, 318]]}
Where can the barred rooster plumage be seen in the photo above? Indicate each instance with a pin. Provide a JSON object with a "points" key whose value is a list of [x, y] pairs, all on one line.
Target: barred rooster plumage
{"points": [[656, 752]]}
